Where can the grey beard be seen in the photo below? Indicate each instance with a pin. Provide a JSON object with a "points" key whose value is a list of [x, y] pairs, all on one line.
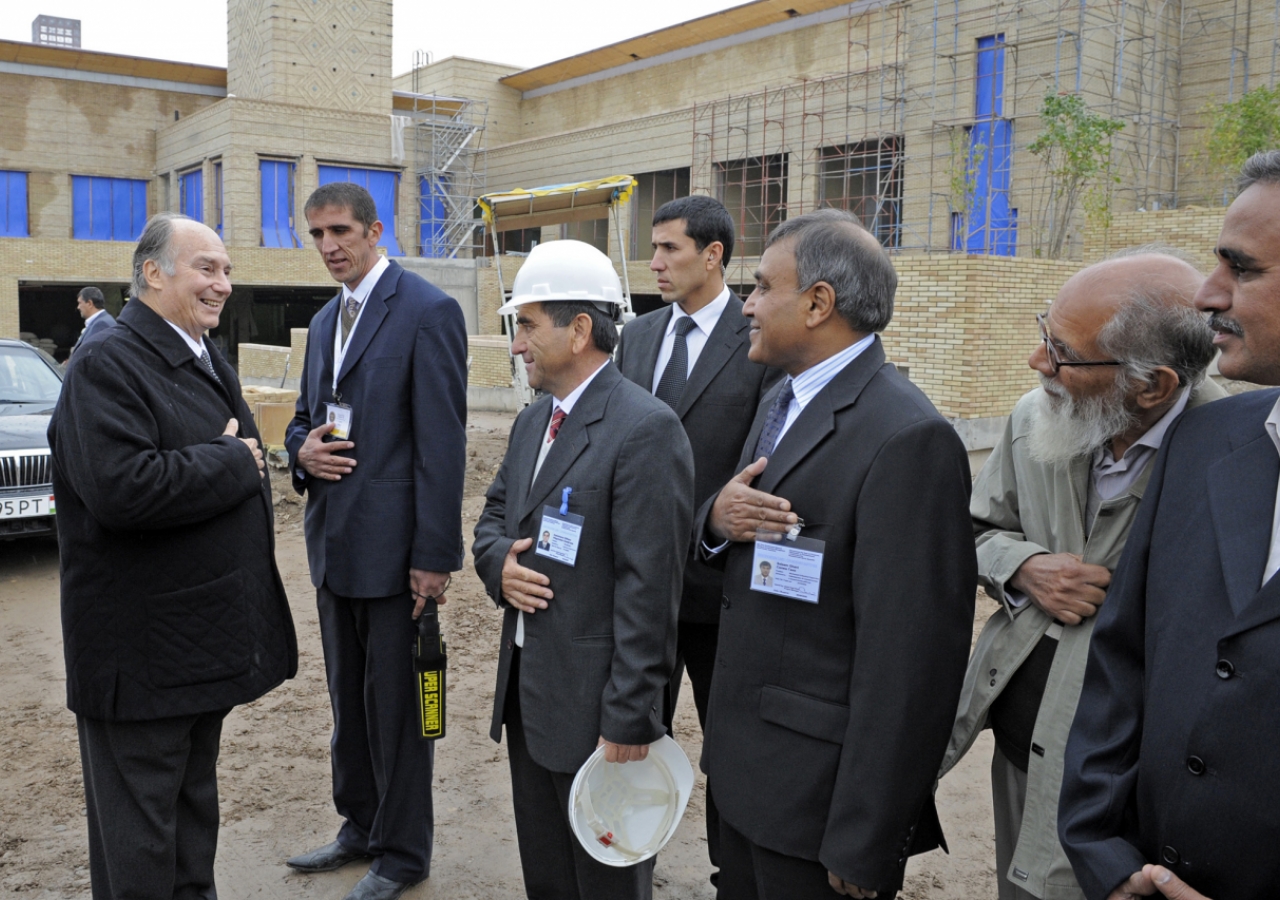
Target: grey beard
{"points": [[1063, 428]]}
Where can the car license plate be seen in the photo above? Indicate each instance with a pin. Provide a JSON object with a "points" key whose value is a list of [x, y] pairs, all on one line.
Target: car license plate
{"points": [[27, 507]]}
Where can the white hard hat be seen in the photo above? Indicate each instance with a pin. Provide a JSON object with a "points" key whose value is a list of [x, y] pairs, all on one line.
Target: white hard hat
{"points": [[566, 270], [624, 813]]}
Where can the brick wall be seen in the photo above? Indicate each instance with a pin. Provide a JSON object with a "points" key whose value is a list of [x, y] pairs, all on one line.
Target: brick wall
{"points": [[1193, 229], [490, 361]]}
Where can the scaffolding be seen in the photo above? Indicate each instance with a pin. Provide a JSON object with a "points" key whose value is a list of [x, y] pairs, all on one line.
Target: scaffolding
{"points": [[449, 168], [906, 110]]}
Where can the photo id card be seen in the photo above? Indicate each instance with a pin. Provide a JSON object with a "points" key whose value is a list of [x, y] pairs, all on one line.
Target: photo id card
{"points": [[789, 568], [558, 535], [339, 416]]}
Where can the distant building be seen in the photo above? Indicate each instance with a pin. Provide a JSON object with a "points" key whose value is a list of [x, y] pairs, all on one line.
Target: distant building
{"points": [[55, 32]]}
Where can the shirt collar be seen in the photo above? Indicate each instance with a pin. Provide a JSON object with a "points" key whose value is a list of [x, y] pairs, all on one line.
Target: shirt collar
{"points": [[1273, 424], [367, 283], [92, 317], [576, 394], [808, 383], [197, 347], [1151, 439], [706, 318]]}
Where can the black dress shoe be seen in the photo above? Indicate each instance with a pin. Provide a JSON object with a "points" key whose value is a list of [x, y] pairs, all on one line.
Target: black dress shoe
{"points": [[326, 859], [375, 887]]}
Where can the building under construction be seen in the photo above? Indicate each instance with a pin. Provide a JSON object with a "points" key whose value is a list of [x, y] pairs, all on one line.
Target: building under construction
{"points": [[915, 115]]}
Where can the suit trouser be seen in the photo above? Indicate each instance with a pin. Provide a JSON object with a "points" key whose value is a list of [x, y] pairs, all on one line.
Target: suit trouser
{"points": [[151, 803], [555, 865], [381, 767], [1009, 798], [696, 652]]}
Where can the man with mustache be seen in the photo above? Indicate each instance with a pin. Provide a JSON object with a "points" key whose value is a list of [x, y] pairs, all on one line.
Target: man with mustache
{"points": [[1170, 772], [1122, 353]]}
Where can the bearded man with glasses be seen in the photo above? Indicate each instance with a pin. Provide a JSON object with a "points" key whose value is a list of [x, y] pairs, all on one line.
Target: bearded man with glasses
{"points": [[1122, 353]]}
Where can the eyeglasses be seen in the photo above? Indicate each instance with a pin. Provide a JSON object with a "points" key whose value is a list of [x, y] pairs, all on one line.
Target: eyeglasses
{"points": [[1056, 361]]}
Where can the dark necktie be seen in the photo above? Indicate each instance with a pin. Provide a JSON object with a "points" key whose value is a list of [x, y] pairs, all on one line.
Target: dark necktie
{"points": [[774, 421], [207, 364], [557, 419], [671, 384]]}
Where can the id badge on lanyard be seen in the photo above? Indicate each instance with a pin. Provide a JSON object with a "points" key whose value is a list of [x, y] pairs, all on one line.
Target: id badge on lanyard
{"points": [[791, 567], [337, 413], [560, 532]]}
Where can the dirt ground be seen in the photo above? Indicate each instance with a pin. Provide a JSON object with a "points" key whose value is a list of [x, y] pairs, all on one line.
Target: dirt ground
{"points": [[274, 772]]}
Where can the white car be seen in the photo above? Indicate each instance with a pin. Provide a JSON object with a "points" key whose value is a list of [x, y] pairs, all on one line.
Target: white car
{"points": [[30, 382]]}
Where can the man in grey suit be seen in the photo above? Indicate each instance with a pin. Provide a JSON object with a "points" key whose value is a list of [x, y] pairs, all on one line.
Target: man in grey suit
{"points": [[589, 628], [92, 308], [693, 356]]}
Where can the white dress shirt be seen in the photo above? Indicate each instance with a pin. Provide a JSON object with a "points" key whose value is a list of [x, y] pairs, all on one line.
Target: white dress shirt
{"points": [[197, 347], [92, 317], [567, 405], [361, 294], [1273, 556], [704, 320]]}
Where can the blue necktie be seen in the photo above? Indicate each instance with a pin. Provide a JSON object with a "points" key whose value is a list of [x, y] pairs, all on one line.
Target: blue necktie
{"points": [[774, 421]]}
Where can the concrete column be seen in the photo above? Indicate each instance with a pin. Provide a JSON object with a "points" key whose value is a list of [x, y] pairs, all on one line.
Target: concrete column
{"points": [[8, 307]]}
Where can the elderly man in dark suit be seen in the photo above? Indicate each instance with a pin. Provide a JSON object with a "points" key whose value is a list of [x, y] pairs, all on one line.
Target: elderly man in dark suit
{"points": [[836, 686], [92, 308], [693, 356], [1170, 784], [588, 637], [172, 609], [387, 359]]}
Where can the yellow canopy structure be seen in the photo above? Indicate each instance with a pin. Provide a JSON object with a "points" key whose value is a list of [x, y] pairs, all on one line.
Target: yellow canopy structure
{"points": [[554, 204]]}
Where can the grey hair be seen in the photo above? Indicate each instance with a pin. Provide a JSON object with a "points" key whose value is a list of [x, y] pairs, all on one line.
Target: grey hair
{"points": [[1154, 249], [830, 246], [156, 244], [1262, 167], [1153, 329]]}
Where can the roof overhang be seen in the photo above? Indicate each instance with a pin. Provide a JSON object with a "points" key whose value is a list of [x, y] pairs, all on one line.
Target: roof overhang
{"points": [[554, 204]]}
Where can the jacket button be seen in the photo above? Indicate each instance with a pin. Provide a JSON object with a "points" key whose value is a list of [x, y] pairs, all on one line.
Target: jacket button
{"points": [[992, 673], [724, 601], [1224, 669], [1195, 765], [993, 682], [1170, 856], [510, 643]]}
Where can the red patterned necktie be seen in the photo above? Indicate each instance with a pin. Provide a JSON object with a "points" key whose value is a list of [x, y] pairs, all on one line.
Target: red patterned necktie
{"points": [[557, 419]]}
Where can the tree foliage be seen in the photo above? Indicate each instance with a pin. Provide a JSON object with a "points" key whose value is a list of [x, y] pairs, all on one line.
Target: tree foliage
{"points": [[1240, 129], [1074, 146]]}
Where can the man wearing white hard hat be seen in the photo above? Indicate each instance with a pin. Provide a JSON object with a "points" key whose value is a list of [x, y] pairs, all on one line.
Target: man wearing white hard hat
{"points": [[589, 628]]}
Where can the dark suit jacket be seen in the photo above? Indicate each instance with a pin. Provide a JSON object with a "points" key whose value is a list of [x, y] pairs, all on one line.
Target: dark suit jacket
{"points": [[171, 602], [717, 408], [405, 377], [597, 659], [828, 720], [1172, 755]]}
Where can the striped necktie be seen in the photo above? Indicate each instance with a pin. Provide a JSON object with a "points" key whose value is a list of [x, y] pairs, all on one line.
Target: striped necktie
{"points": [[774, 421], [557, 419]]}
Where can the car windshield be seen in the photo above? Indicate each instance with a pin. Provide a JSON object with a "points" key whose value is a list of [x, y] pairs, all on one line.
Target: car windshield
{"points": [[26, 378]]}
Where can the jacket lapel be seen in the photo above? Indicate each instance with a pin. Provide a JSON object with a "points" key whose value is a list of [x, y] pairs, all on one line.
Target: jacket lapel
{"points": [[524, 456], [375, 310], [725, 338], [1242, 496], [818, 419], [573, 438], [644, 353]]}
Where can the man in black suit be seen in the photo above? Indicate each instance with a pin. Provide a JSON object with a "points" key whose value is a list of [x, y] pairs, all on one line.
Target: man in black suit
{"points": [[835, 688], [588, 637], [92, 308], [1170, 783], [172, 609], [693, 356], [385, 367]]}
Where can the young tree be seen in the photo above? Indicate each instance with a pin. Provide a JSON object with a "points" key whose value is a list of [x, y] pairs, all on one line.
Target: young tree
{"points": [[1074, 146], [1240, 129]]}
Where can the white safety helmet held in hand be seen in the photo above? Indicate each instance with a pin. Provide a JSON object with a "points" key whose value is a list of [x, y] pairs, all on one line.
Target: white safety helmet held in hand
{"points": [[566, 270], [624, 813]]}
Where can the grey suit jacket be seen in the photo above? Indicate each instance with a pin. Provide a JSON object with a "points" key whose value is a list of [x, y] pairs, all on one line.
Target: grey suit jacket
{"points": [[717, 408], [596, 660]]}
